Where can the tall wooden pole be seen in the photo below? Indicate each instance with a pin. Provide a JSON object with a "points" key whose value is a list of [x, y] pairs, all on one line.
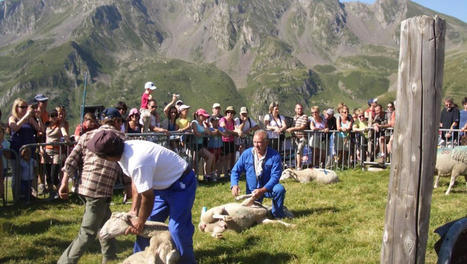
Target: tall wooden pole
{"points": [[420, 79]]}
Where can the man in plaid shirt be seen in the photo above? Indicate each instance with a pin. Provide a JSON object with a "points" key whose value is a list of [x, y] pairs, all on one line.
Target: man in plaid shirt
{"points": [[95, 185]]}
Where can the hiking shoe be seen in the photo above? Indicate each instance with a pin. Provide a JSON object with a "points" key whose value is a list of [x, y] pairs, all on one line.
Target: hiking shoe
{"points": [[287, 213]]}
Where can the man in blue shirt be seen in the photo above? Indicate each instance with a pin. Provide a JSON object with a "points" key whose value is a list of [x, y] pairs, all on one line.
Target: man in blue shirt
{"points": [[263, 169]]}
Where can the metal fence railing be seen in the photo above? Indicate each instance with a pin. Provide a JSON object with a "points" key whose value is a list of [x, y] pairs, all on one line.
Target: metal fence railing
{"points": [[332, 150]]}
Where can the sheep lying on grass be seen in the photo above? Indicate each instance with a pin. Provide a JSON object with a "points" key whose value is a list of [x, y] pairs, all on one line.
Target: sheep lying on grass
{"points": [[161, 248], [319, 175], [235, 216], [451, 161]]}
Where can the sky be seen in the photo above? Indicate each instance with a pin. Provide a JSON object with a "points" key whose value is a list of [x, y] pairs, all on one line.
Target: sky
{"points": [[455, 8]]}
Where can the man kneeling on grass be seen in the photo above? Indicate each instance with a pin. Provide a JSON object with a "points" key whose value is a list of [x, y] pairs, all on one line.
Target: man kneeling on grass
{"points": [[263, 169], [164, 185]]}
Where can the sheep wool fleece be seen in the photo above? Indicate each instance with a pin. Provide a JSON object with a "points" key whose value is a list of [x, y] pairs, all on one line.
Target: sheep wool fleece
{"points": [[152, 166]]}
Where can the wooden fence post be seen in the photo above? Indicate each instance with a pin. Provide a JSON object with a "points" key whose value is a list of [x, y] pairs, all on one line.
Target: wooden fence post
{"points": [[420, 79]]}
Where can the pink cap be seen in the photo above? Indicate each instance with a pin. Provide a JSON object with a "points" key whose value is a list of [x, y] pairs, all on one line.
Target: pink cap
{"points": [[133, 111], [202, 112]]}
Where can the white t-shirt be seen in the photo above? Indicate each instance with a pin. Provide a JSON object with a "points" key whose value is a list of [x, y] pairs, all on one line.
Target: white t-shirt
{"points": [[275, 123], [150, 165]]}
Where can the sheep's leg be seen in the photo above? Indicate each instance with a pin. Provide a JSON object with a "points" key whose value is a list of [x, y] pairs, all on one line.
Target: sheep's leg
{"points": [[269, 221], [454, 175], [208, 216], [222, 217], [436, 180], [172, 257], [242, 197]]}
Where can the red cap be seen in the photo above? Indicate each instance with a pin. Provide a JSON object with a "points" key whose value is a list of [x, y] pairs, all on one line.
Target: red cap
{"points": [[202, 112]]}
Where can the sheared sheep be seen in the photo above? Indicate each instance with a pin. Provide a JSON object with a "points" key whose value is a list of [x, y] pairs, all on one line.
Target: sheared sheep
{"points": [[319, 175], [161, 248], [451, 161], [235, 216]]}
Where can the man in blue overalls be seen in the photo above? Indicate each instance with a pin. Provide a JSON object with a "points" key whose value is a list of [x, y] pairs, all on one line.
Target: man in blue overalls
{"points": [[263, 169], [164, 185]]}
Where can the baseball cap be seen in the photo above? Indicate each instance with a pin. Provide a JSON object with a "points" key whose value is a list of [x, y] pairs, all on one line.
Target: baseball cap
{"points": [[243, 110], [183, 107], [150, 85], [216, 105], [133, 111], [330, 111], [111, 113], [179, 102], [40, 98], [202, 112], [106, 143], [372, 100]]}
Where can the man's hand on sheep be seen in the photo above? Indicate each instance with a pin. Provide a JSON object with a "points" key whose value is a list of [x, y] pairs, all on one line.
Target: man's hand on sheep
{"points": [[136, 227], [235, 190], [258, 193]]}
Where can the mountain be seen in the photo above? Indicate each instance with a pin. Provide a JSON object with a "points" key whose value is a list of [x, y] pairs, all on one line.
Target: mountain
{"points": [[235, 52]]}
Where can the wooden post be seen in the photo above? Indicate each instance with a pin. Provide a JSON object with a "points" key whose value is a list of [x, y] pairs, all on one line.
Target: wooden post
{"points": [[420, 78]]}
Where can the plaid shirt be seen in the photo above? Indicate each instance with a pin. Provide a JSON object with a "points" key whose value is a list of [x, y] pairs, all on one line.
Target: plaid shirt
{"points": [[98, 176]]}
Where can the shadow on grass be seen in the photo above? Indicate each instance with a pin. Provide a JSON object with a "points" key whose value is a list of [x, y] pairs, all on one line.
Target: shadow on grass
{"points": [[33, 227], [306, 212], [209, 255], [20, 207]]}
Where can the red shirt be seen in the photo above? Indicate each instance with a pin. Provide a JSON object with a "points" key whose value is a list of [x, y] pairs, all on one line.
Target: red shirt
{"points": [[144, 100]]}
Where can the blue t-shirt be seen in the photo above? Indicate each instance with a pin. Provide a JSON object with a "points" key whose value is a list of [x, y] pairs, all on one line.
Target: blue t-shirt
{"points": [[215, 141]]}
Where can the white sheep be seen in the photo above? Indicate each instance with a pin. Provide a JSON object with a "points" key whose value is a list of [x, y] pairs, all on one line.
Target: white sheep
{"points": [[236, 217], [453, 162], [306, 175], [161, 248]]}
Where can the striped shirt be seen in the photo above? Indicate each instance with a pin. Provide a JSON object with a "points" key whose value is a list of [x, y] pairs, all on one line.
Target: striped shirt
{"points": [[299, 122], [98, 176]]}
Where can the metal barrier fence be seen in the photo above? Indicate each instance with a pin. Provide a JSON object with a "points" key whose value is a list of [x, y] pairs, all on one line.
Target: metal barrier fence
{"points": [[332, 150]]}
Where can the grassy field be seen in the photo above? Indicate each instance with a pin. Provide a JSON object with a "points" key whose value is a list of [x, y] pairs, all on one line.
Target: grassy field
{"points": [[340, 223]]}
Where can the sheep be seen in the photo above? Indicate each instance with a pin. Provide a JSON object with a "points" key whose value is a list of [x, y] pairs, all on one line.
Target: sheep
{"points": [[161, 248], [451, 161], [236, 217], [303, 176]]}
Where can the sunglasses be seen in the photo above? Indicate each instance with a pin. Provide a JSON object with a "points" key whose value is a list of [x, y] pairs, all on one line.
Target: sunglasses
{"points": [[154, 106], [361, 116], [22, 106]]}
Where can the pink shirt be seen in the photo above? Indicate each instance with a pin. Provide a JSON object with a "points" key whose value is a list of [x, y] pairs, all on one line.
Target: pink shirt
{"points": [[144, 100], [230, 125]]}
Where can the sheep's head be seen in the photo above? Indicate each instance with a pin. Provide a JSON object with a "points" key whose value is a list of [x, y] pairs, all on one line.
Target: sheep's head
{"points": [[287, 174], [115, 226]]}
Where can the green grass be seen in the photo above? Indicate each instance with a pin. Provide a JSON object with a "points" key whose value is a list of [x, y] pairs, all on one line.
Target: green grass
{"points": [[339, 223]]}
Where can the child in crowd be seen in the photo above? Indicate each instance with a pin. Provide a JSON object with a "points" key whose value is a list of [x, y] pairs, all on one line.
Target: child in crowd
{"points": [[27, 165], [148, 88]]}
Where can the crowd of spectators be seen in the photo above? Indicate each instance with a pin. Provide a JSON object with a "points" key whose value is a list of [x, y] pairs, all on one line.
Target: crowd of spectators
{"points": [[216, 138]]}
